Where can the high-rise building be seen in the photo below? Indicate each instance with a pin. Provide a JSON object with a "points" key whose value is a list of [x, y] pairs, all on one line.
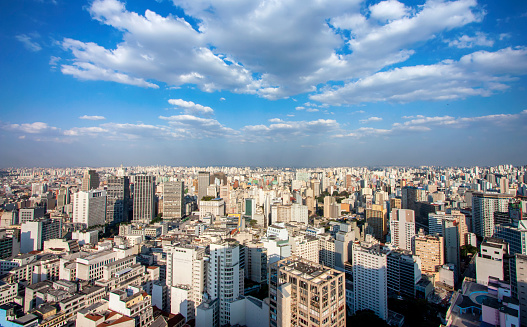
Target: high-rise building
{"points": [[331, 208], [63, 197], [173, 200], [515, 234], [402, 228], [484, 205], [370, 277], [431, 251], [117, 199], [34, 233], [30, 214], [225, 273], [521, 281], [304, 293], [90, 180], [404, 271], [89, 208], [185, 277], [411, 195], [203, 184], [491, 260], [315, 185], [452, 248], [395, 203], [143, 204], [377, 220]]}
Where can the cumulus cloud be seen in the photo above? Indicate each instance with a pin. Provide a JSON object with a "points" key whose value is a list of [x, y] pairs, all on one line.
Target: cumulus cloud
{"points": [[190, 107], [197, 127], [370, 120], [31, 128], [422, 123], [86, 117], [78, 131], [465, 41], [29, 43], [480, 73], [267, 48], [388, 10], [279, 129]]}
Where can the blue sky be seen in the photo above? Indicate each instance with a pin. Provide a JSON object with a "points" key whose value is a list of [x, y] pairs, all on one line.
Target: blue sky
{"points": [[263, 83]]}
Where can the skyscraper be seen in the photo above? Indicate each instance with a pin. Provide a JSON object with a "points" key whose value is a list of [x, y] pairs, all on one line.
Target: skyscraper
{"points": [[118, 197], [173, 200], [370, 277], [451, 239], [304, 293], [402, 228], [377, 220], [484, 205], [143, 204], [89, 208], [203, 183], [225, 275], [90, 181], [185, 277]]}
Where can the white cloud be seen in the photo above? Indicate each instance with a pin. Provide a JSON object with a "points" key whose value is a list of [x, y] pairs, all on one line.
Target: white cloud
{"points": [[190, 107], [422, 123], [268, 48], [279, 129], [388, 10], [88, 71], [480, 73], [78, 131], [370, 120], [197, 127], [31, 128], [28, 43], [86, 117], [465, 41], [53, 61]]}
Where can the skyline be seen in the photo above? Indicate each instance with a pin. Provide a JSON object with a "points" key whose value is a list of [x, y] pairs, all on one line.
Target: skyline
{"points": [[215, 83]]}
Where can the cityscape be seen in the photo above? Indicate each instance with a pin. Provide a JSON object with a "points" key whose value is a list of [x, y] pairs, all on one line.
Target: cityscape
{"points": [[263, 163], [248, 246]]}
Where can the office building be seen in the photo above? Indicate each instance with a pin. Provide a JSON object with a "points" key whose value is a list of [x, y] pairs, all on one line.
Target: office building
{"points": [[225, 274], [203, 184], [402, 228], [431, 251], [63, 197], [34, 233], [515, 235], [89, 208], [143, 203], [173, 200], [30, 214], [304, 293], [491, 260], [117, 199], [90, 180], [521, 281], [404, 271], [484, 205], [377, 220], [185, 278], [452, 248], [331, 208], [370, 276]]}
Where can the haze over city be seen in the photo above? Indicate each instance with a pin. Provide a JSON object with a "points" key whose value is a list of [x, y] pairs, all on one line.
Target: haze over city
{"points": [[262, 83]]}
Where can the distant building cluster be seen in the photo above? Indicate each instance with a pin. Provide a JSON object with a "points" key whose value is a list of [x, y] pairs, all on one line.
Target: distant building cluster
{"points": [[241, 246]]}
